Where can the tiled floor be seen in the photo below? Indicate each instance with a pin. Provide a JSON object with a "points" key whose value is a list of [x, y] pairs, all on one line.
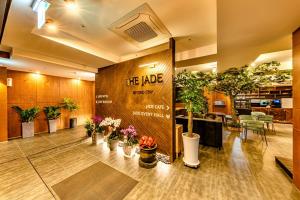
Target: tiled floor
{"points": [[29, 167]]}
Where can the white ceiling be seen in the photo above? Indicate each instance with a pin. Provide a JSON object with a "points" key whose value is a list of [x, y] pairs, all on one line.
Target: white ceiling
{"points": [[249, 28], [285, 58], [192, 24], [207, 67], [83, 43]]}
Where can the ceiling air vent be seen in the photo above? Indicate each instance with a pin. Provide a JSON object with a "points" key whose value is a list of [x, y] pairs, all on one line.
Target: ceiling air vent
{"points": [[141, 27], [141, 32]]}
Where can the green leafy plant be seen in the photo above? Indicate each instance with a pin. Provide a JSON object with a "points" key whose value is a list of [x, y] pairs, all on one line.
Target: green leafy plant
{"points": [[115, 135], [52, 112], [191, 93], [90, 127], [27, 115], [234, 124], [69, 105], [246, 79]]}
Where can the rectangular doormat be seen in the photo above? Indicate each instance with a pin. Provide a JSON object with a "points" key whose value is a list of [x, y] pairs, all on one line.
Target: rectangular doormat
{"points": [[98, 181]]}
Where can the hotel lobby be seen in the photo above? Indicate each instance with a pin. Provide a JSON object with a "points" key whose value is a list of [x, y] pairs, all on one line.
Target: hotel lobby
{"points": [[149, 100]]}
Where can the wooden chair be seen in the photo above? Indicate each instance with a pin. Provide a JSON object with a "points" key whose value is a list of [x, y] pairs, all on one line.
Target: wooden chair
{"points": [[256, 126]]}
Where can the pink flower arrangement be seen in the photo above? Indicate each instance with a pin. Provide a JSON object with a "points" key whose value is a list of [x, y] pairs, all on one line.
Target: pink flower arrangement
{"points": [[129, 132], [97, 119], [130, 135]]}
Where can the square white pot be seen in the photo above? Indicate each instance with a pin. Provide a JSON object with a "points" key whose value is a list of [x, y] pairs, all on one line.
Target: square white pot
{"points": [[52, 125], [27, 129]]}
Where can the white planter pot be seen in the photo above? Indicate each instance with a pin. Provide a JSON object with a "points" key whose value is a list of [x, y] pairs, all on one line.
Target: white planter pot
{"points": [[27, 129], [52, 125], [191, 149]]}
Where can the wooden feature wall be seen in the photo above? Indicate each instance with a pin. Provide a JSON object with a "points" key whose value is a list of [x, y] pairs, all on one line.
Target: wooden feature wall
{"points": [[41, 90], [296, 108], [3, 104], [112, 81], [215, 96]]}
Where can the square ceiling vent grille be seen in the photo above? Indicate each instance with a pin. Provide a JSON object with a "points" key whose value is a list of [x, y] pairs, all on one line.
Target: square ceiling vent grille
{"points": [[141, 27], [141, 32]]}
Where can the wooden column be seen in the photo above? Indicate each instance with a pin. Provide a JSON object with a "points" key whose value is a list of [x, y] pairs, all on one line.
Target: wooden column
{"points": [[3, 104], [296, 108]]}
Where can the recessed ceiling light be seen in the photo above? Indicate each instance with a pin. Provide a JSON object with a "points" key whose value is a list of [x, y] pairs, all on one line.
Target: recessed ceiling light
{"points": [[71, 5], [51, 26]]}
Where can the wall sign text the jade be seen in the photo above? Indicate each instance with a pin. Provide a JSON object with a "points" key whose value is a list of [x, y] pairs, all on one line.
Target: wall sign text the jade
{"points": [[145, 80]]}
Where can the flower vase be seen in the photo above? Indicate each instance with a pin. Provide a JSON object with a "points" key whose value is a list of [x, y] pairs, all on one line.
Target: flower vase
{"points": [[94, 138], [112, 144], [107, 132], [128, 151]]}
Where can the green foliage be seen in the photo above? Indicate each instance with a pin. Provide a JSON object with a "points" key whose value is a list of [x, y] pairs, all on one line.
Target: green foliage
{"points": [[89, 126], [115, 135], [246, 79], [69, 104], [52, 112], [234, 81], [234, 124], [191, 91], [27, 115]]}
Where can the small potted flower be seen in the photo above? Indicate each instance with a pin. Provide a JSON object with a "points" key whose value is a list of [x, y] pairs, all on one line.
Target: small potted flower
{"points": [[130, 141], [110, 125], [98, 128], [89, 127], [148, 148], [113, 140]]}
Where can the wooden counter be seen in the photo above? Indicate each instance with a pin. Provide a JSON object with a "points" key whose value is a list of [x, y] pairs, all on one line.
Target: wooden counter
{"points": [[281, 115]]}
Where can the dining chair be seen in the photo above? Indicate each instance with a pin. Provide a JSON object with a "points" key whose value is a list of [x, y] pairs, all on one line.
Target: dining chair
{"points": [[255, 126], [256, 113], [268, 120]]}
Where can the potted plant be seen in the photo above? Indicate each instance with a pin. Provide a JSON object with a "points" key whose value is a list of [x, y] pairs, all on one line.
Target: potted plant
{"points": [[71, 106], [27, 118], [113, 140], [191, 93], [89, 127], [130, 141], [148, 148], [109, 125], [234, 126], [52, 114], [98, 133], [94, 129]]}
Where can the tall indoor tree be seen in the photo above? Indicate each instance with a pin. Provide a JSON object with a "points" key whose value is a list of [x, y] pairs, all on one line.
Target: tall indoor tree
{"points": [[246, 79], [191, 93]]}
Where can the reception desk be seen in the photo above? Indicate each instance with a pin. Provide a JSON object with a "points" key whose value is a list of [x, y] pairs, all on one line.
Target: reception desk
{"points": [[281, 115], [210, 131]]}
